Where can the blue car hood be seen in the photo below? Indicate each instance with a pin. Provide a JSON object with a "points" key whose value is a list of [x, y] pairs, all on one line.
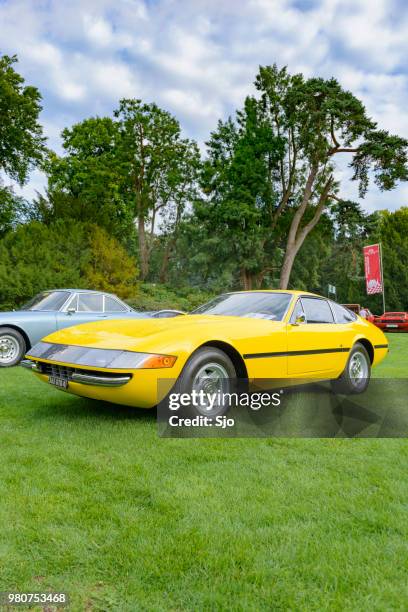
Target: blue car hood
{"points": [[22, 315]]}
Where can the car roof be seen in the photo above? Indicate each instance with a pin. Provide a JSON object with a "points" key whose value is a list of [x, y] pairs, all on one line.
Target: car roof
{"points": [[79, 291], [291, 291]]}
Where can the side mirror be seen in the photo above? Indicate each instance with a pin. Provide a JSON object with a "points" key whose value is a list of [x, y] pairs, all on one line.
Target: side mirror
{"points": [[71, 311], [300, 319]]}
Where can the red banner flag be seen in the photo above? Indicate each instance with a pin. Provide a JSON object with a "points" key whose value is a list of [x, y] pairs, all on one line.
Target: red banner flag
{"points": [[373, 271]]}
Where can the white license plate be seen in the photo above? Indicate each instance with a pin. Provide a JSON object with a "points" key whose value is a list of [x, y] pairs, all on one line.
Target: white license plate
{"points": [[391, 325], [61, 383]]}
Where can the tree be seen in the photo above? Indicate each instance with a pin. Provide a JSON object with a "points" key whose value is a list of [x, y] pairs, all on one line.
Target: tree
{"points": [[13, 210], [319, 121], [308, 272], [21, 139], [351, 229], [110, 268], [392, 232], [238, 182], [8, 206], [87, 184], [189, 165], [134, 168], [35, 257], [159, 167]]}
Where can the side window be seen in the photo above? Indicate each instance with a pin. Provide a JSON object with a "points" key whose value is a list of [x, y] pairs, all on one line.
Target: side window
{"points": [[90, 302], [343, 315], [73, 303], [297, 311], [112, 305], [317, 311]]}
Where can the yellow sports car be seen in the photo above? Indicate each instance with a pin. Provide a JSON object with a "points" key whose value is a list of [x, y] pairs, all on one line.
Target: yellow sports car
{"points": [[245, 335]]}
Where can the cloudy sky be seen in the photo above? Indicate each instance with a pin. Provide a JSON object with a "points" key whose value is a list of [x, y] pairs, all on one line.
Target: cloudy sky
{"points": [[198, 58]]}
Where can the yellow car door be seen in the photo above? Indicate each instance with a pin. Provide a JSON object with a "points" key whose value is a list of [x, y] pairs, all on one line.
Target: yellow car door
{"points": [[315, 342]]}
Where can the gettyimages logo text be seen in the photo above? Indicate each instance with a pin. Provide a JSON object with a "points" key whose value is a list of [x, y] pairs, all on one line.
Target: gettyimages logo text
{"points": [[208, 401]]}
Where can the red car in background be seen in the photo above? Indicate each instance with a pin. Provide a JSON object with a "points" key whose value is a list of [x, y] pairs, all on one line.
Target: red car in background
{"points": [[392, 321]]}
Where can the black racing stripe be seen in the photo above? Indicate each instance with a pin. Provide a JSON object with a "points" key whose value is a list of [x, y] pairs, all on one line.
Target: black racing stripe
{"points": [[259, 355], [381, 346], [295, 353]]}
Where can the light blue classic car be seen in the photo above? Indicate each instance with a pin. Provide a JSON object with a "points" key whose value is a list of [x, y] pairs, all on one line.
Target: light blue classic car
{"points": [[52, 310]]}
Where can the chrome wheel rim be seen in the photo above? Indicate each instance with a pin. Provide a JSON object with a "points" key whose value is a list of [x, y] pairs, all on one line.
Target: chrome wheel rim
{"points": [[211, 378], [358, 368], [9, 349]]}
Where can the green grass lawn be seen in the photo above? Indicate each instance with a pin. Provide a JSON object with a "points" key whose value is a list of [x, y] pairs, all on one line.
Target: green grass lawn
{"points": [[95, 504]]}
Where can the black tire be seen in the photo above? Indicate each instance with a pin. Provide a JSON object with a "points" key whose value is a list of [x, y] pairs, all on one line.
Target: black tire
{"points": [[347, 384], [214, 359], [12, 347]]}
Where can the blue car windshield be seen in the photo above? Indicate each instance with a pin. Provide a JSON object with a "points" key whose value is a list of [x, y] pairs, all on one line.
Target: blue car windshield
{"points": [[256, 305], [47, 300]]}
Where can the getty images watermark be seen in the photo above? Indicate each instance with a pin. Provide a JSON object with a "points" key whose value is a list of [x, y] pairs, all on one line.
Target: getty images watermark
{"points": [[208, 407], [275, 408]]}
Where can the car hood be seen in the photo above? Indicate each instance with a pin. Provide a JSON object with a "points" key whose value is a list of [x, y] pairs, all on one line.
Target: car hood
{"points": [[155, 334], [23, 315]]}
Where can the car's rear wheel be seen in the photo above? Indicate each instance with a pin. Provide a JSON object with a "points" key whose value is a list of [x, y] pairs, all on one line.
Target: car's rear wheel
{"points": [[209, 371], [12, 347], [356, 375]]}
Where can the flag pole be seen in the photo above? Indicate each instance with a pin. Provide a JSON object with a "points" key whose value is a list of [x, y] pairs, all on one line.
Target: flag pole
{"points": [[382, 277]]}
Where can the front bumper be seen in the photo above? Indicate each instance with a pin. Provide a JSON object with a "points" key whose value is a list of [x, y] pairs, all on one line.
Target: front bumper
{"points": [[97, 379], [141, 388]]}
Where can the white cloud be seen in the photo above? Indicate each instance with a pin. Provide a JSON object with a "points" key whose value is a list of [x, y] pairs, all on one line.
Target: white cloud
{"points": [[198, 59], [99, 30], [191, 104], [113, 80]]}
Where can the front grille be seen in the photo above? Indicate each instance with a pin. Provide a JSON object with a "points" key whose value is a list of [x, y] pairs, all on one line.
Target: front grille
{"points": [[56, 370], [65, 372]]}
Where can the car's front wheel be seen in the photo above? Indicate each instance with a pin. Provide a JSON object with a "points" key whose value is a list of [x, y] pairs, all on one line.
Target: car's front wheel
{"points": [[208, 375], [12, 347], [356, 374]]}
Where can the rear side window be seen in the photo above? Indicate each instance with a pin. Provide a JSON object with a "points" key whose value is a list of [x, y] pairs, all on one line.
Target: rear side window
{"points": [[48, 300], [90, 302], [343, 315], [317, 311], [112, 305]]}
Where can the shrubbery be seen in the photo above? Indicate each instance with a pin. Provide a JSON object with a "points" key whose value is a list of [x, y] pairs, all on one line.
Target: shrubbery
{"points": [[157, 297], [109, 267], [36, 257]]}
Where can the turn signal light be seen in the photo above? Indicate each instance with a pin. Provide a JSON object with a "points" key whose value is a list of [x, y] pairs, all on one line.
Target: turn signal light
{"points": [[160, 361]]}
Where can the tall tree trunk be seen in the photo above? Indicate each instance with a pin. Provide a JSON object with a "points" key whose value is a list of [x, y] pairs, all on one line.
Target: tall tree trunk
{"points": [[246, 280], [165, 263], [297, 235], [143, 248], [171, 244], [288, 261]]}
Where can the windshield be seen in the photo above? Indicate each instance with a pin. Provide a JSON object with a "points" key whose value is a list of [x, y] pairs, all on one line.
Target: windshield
{"points": [[47, 300], [257, 305]]}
